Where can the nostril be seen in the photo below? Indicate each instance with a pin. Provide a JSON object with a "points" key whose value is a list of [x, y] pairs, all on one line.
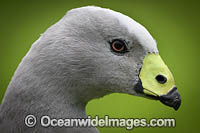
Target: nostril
{"points": [[161, 79]]}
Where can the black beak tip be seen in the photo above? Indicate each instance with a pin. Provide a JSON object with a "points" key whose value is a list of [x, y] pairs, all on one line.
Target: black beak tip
{"points": [[172, 99], [177, 104]]}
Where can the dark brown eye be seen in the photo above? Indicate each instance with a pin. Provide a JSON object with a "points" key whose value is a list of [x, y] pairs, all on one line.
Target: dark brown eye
{"points": [[119, 46]]}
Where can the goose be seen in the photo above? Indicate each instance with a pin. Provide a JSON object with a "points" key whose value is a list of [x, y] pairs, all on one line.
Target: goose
{"points": [[91, 52]]}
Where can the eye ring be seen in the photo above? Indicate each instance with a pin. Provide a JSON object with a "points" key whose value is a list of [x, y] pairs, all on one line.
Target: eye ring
{"points": [[119, 46]]}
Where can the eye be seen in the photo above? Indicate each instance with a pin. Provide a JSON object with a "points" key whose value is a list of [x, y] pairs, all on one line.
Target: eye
{"points": [[119, 46]]}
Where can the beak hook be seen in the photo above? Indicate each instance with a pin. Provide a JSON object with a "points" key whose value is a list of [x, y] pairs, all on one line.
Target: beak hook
{"points": [[172, 99]]}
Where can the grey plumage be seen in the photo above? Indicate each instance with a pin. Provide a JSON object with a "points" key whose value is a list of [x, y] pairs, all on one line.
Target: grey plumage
{"points": [[70, 64]]}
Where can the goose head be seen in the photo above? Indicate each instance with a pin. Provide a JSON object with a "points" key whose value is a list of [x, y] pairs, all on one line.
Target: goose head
{"points": [[89, 53], [108, 52]]}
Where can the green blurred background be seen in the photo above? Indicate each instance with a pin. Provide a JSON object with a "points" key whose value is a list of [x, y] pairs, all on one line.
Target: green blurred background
{"points": [[173, 23]]}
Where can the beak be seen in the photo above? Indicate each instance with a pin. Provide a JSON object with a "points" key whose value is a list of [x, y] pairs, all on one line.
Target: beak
{"points": [[157, 82]]}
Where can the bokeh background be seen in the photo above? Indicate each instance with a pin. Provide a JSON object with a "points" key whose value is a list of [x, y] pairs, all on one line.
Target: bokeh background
{"points": [[173, 23]]}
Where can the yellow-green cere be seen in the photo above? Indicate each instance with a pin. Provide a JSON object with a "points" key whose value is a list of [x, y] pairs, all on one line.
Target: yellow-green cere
{"points": [[153, 65]]}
